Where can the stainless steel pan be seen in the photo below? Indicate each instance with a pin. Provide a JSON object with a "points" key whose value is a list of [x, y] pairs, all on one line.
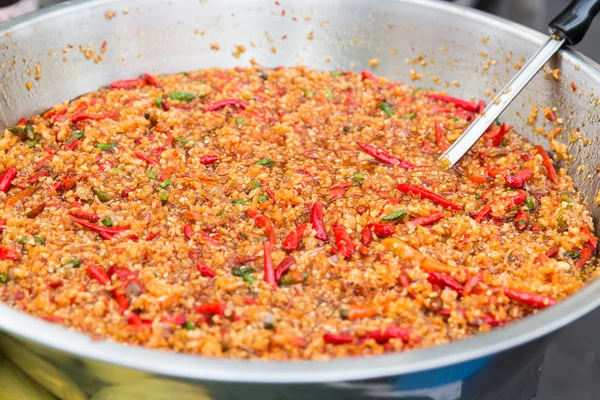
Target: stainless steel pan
{"points": [[448, 46]]}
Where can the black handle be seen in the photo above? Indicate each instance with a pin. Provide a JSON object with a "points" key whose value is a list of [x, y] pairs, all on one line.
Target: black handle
{"points": [[574, 21]]}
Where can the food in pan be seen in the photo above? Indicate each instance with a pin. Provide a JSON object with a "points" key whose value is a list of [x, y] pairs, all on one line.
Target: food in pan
{"points": [[282, 213]]}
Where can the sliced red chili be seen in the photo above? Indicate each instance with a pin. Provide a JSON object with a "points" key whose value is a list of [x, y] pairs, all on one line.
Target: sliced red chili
{"points": [[343, 241], [369, 75], [444, 280], [418, 191], [212, 309], [205, 270], [105, 232], [428, 219], [147, 159], [95, 117], [121, 300], [585, 254], [337, 338], [366, 236], [316, 220], [98, 273], [383, 156], [440, 137], [392, 332], [497, 140], [464, 104], [530, 299], [472, 283], [592, 240], [6, 179], [151, 80], [269, 270], [284, 267], [188, 231], [293, 239], [547, 162], [382, 230], [209, 159], [521, 220], [9, 254], [127, 83], [217, 105], [519, 179]]}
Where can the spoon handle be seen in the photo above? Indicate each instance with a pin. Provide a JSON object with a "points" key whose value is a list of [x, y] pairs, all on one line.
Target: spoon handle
{"points": [[574, 21]]}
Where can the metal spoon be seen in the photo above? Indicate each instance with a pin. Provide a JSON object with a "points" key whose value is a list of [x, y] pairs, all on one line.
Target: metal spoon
{"points": [[569, 26]]}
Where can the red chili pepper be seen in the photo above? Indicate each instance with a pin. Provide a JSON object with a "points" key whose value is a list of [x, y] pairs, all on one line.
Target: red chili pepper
{"points": [[316, 220], [293, 239], [391, 332], [245, 259], [521, 220], [217, 105], [482, 214], [429, 219], [440, 138], [144, 157], [369, 75], [212, 308], [53, 318], [382, 230], [135, 320], [269, 274], [338, 191], [6, 179], [98, 273], [472, 283], [585, 254], [271, 194], [188, 231], [592, 240], [478, 179], [209, 239], [547, 162], [121, 300], [337, 338], [284, 267], [151, 80], [249, 302], [529, 299], [88, 216], [486, 211], [42, 162], [493, 172], [170, 138], [343, 241], [497, 141], [366, 236], [205, 270], [267, 226], [166, 174], [127, 83], [36, 177], [2, 225], [174, 319], [415, 191], [552, 251], [9, 254], [519, 179], [383, 156], [95, 117], [444, 280], [72, 145], [209, 159], [460, 103], [404, 279], [481, 106], [105, 232]]}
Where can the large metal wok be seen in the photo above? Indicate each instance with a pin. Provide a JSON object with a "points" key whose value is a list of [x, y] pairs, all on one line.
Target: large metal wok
{"points": [[448, 46]]}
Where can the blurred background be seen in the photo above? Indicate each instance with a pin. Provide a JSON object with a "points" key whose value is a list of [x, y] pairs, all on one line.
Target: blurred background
{"points": [[570, 369]]}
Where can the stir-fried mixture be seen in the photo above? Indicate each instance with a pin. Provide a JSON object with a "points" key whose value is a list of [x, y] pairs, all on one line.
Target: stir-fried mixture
{"points": [[281, 214]]}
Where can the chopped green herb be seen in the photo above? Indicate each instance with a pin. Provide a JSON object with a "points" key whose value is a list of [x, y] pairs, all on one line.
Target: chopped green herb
{"points": [[158, 101], [477, 196], [336, 73], [163, 196], [74, 263], [243, 271], [238, 201], [328, 93], [189, 325], [24, 133], [394, 215], [107, 221], [75, 135], [239, 121], [454, 118], [182, 96], [268, 324], [150, 174], [387, 108], [417, 90], [105, 146], [307, 92], [263, 198], [117, 170], [254, 183], [23, 240], [222, 212], [411, 115], [529, 202], [575, 255], [3, 278], [39, 239], [358, 179], [33, 142], [344, 314], [265, 162], [248, 278], [183, 141], [504, 142], [566, 197], [244, 235], [102, 196], [166, 183], [561, 223]]}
